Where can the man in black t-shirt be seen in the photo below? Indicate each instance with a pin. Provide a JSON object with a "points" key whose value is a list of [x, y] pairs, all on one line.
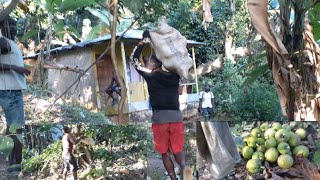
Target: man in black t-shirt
{"points": [[167, 120]]}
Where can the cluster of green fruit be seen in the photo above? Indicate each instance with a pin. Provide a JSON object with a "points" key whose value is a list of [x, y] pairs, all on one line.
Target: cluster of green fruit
{"points": [[275, 144]]}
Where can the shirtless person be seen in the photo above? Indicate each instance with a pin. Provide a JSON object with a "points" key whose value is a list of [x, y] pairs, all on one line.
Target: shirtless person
{"points": [[69, 161]]}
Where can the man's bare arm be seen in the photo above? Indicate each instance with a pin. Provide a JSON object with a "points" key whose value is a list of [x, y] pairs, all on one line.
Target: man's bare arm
{"points": [[73, 140], [8, 67]]}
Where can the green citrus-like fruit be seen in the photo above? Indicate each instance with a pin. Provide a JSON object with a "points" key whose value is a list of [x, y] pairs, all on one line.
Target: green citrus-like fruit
{"points": [[302, 133], [256, 132], [282, 135], [287, 127], [260, 141], [239, 148], [269, 133], [294, 140], [258, 155], [301, 150], [271, 142], [264, 126], [285, 161], [271, 155], [252, 142], [261, 148], [284, 148], [276, 126], [254, 166], [247, 152]]}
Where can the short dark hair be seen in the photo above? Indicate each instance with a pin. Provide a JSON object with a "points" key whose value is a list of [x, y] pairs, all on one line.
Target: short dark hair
{"points": [[5, 27], [151, 62], [66, 129]]}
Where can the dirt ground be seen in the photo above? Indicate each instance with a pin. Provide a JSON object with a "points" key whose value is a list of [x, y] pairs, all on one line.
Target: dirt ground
{"points": [[4, 174], [156, 170]]}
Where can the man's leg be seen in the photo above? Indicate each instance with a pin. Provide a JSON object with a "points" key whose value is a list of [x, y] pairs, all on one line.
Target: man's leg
{"points": [[14, 113], [177, 143], [74, 173], [161, 145], [74, 167], [64, 175], [169, 166], [16, 155], [180, 159]]}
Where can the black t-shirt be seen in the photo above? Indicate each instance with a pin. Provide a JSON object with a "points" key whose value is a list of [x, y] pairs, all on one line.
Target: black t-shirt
{"points": [[162, 86], [163, 89]]}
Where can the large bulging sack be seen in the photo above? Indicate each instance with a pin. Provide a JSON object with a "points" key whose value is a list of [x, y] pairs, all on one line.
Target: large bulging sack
{"points": [[171, 48]]}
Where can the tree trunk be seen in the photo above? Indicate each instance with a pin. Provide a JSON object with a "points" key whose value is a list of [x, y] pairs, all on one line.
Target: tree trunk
{"points": [[114, 61], [5, 13], [230, 34], [295, 60]]}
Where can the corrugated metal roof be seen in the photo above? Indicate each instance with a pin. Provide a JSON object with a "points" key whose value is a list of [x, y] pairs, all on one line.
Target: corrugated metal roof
{"points": [[130, 34]]}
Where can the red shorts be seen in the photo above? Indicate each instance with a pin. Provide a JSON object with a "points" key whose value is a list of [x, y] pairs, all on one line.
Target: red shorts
{"points": [[170, 135]]}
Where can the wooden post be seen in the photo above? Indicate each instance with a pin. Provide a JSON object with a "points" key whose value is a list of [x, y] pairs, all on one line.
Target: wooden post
{"points": [[195, 69], [98, 95], [123, 55]]}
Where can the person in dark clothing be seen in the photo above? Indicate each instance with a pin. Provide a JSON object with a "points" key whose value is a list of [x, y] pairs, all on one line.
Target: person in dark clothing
{"points": [[167, 120], [114, 87]]}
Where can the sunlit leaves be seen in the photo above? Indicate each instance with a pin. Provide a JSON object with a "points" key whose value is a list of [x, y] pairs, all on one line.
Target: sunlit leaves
{"points": [[314, 16], [71, 5], [6, 145]]}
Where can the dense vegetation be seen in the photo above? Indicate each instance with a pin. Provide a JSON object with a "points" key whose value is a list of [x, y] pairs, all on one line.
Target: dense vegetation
{"points": [[118, 151], [232, 84]]}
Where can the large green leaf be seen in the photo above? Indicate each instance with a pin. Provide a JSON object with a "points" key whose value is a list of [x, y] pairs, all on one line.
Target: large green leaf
{"points": [[6, 145], [101, 14], [316, 157], [13, 128], [59, 27], [29, 35], [314, 16], [252, 61], [74, 31], [252, 76], [94, 33], [51, 5], [134, 6], [71, 5]]}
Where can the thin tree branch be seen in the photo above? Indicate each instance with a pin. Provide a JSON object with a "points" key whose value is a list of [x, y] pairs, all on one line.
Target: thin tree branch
{"points": [[5, 13]]}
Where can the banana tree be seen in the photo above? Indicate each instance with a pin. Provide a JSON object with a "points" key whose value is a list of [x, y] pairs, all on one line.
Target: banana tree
{"points": [[293, 55]]}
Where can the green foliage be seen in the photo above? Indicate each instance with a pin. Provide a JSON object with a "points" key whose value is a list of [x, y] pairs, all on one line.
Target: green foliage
{"points": [[314, 16], [78, 113], [72, 5], [257, 100], [6, 145], [44, 161], [316, 157]]}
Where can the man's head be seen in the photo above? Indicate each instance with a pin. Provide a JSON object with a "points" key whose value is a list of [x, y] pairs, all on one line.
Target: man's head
{"points": [[151, 62], [66, 129], [8, 28], [206, 87]]}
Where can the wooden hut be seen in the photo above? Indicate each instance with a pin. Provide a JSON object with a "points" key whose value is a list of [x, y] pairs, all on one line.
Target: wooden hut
{"points": [[90, 90]]}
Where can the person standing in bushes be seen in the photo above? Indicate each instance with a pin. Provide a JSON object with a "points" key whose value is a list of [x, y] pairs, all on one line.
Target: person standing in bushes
{"points": [[69, 161], [167, 120], [12, 82], [206, 103]]}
